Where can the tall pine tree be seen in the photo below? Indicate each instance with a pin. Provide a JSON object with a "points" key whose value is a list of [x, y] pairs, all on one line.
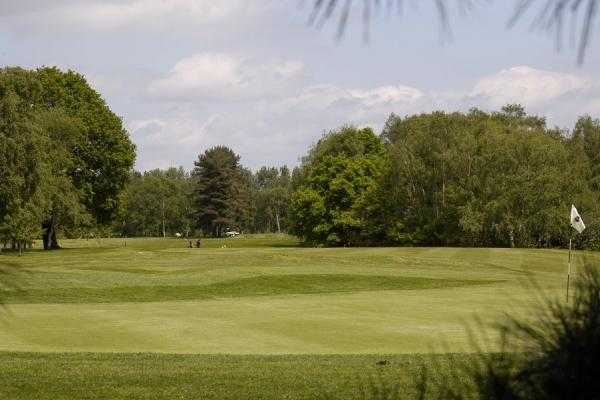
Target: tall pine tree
{"points": [[218, 191]]}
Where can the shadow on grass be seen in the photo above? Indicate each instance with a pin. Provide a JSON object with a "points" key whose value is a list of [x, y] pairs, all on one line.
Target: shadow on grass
{"points": [[11, 277], [263, 285], [555, 356]]}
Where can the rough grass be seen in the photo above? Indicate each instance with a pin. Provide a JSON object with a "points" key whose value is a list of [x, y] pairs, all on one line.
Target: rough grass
{"points": [[208, 377]]}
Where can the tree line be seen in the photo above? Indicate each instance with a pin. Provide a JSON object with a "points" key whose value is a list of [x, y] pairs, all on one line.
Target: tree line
{"points": [[451, 179], [218, 195], [438, 179]]}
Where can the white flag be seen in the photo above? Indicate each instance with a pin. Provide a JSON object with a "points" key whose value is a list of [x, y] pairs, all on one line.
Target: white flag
{"points": [[576, 221]]}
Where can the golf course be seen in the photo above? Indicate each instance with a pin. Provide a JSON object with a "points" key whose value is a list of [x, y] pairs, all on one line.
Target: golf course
{"points": [[146, 318]]}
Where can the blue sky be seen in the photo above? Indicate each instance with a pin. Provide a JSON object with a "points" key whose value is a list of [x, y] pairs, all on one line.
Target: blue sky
{"points": [[189, 74]]}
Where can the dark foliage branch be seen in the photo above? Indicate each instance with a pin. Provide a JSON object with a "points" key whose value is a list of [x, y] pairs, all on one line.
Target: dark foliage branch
{"points": [[553, 356], [550, 15], [562, 349], [323, 10]]}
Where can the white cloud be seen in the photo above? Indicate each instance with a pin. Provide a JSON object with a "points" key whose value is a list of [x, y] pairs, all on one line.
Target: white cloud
{"points": [[113, 14], [223, 76], [171, 141], [265, 113], [527, 86], [179, 138], [387, 95], [361, 101], [592, 108], [28, 16], [265, 130]]}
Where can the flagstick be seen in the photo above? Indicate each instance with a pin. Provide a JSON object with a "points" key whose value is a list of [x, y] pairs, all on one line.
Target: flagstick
{"points": [[569, 270]]}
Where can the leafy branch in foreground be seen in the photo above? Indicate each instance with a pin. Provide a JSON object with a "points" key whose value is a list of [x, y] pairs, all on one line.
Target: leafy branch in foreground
{"points": [[550, 15], [323, 10]]}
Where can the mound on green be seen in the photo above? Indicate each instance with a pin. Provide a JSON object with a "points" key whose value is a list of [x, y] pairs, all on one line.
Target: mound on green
{"points": [[267, 285]]}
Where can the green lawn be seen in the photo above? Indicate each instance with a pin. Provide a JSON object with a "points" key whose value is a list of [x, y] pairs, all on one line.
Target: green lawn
{"points": [[243, 302]]}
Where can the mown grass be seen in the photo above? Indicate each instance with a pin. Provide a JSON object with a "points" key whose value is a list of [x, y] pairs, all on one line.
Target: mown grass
{"points": [[263, 295], [25, 376], [269, 285], [279, 321]]}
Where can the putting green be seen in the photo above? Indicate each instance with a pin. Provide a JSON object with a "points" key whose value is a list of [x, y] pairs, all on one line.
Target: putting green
{"points": [[265, 295]]}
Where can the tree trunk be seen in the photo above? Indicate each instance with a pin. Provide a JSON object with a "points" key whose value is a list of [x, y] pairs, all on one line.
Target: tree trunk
{"points": [[163, 219], [49, 235], [277, 219]]}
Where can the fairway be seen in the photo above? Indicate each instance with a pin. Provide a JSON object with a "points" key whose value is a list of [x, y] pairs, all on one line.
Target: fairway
{"points": [[255, 317], [265, 295]]}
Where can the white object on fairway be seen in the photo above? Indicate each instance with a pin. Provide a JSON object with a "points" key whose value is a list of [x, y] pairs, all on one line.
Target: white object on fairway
{"points": [[576, 221]]}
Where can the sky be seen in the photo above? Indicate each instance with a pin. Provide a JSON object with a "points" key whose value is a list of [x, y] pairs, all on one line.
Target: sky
{"points": [[186, 75]]}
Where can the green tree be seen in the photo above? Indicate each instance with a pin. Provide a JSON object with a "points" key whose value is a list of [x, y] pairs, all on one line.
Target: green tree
{"points": [[584, 145], [220, 190], [476, 179], [241, 199], [587, 133], [271, 192], [86, 154], [23, 169], [338, 171], [156, 203]]}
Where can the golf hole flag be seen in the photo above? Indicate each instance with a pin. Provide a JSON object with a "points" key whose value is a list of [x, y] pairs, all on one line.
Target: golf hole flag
{"points": [[576, 221]]}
